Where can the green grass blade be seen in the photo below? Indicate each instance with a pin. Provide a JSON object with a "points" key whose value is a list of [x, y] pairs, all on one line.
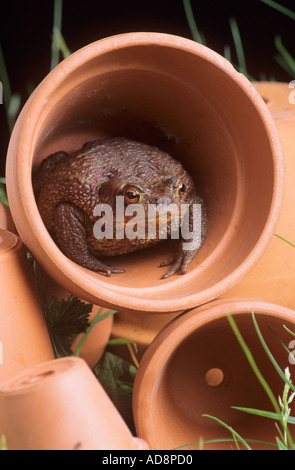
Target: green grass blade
{"points": [[13, 109], [289, 331], [57, 21], [4, 78], [270, 356], [253, 364], [12, 102], [280, 341], [3, 195], [98, 317], [280, 8], [290, 61], [225, 440], [264, 414], [122, 341], [280, 444], [197, 36], [279, 371], [230, 429], [238, 45], [287, 241], [3, 444], [61, 43], [227, 52], [281, 61]]}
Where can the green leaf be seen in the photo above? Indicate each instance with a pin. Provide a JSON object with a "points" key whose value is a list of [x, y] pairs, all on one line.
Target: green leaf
{"points": [[66, 319], [117, 377]]}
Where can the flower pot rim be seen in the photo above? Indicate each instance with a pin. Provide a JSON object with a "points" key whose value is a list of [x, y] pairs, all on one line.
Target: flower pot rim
{"points": [[180, 327], [116, 294], [39, 375], [8, 241]]}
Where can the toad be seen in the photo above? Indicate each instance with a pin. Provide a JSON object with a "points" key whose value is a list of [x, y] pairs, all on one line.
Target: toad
{"points": [[70, 186]]}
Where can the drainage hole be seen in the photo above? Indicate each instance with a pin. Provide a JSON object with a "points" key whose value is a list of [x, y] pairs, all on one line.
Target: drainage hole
{"points": [[214, 377]]}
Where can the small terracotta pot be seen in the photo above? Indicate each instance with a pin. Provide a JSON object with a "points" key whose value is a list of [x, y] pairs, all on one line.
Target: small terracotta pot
{"points": [[186, 99], [272, 278], [94, 345], [196, 366], [97, 340], [60, 405], [24, 338], [6, 222]]}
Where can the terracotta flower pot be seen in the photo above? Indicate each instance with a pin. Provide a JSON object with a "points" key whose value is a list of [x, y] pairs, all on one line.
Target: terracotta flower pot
{"points": [[186, 99], [272, 278], [96, 342], [24, 338], [196, 366], [94, 345], [60, 405]]}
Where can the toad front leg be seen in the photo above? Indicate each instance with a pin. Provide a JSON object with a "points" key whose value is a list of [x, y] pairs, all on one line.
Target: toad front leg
{"points": [[72, 240], [188, 248]]}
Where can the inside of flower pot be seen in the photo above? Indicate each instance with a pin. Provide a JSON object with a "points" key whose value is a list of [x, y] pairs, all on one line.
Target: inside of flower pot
{"points": [[208, 374], [193, 108]]}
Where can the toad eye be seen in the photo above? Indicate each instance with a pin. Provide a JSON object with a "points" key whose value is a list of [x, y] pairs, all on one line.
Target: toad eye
{"points": [[131, 195], [180, 189]]}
